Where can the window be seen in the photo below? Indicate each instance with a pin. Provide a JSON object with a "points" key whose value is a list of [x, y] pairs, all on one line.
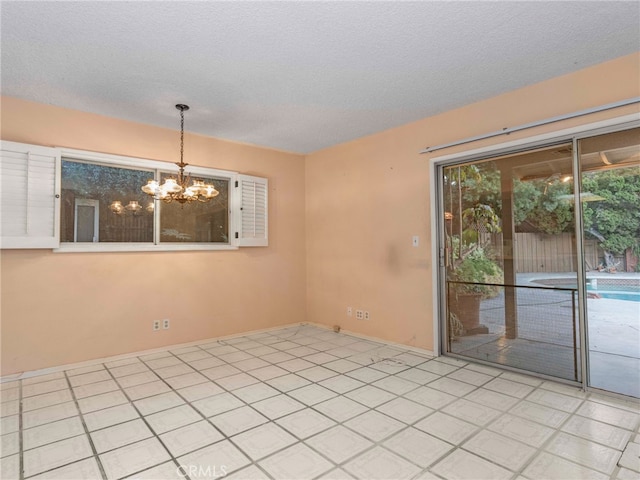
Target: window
{"points": [[198, 222], [82, 201], [104, 203], [95, 200]]}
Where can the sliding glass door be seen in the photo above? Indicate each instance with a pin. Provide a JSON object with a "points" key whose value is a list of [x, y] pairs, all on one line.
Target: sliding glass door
{"points": [[511, 266], [610, 196], [522, 259]]}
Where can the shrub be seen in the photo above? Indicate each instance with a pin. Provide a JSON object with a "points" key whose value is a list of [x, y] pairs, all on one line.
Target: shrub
{"points": [[477, 267]]}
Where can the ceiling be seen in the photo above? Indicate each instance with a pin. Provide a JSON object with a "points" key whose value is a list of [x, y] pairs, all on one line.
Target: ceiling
{"points": [[297, 76]]}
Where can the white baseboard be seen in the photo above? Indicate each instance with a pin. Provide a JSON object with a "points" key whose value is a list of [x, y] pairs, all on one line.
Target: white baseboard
{"points": [[421, 351]]}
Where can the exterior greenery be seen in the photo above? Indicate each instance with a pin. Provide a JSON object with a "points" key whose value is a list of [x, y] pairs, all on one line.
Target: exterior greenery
{"points": [[477, 267], [545, 205], [616, 220]]}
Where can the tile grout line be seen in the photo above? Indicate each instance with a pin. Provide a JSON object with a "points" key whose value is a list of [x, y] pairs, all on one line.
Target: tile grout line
{"points": [[286, 394], [380, 443], [556, 430], [299, 440], [538, 450], [480, 428], [553, 436], [485, 427], [385, 372], [207, 419], [375, 444], [247, 404], [142, 417], [86, 432]]}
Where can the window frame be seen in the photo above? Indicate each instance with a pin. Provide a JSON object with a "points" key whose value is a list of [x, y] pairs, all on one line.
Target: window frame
{"points": [[156, 168]]}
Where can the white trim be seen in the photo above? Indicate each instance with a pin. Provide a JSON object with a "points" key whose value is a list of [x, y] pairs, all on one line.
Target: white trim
{"points": [[500, 148], [20, 147], [421, 351], [435, 260], [69, 247]]}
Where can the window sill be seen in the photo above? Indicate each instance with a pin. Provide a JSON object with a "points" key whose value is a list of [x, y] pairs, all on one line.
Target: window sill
{"points": [[139, 247]]}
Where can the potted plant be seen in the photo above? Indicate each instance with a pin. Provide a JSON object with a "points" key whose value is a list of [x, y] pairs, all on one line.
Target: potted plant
{"points": [[476, 268], [471, 268]]}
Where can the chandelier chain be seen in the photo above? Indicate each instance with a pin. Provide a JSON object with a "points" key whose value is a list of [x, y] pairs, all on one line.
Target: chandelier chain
{"points": [[181, 135]]}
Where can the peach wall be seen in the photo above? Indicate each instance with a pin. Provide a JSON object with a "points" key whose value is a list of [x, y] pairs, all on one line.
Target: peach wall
{"points": [[367, 198], [59, 308], [350, 245]]}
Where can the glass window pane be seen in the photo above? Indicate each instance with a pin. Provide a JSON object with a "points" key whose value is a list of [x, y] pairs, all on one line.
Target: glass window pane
{"points": [[197, 222], [104, 204], [610, 193]]}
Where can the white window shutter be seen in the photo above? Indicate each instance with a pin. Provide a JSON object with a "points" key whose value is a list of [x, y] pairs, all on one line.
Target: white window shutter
{"points": [[29, 196], [251, 218]]}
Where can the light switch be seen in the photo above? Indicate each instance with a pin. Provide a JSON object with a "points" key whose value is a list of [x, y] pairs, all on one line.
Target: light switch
{"points": [[416, 240]]}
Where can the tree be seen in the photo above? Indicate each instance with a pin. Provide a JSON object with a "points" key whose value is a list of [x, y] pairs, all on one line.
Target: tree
{"points": [[543, 204], [611, 211], [615, 220]]}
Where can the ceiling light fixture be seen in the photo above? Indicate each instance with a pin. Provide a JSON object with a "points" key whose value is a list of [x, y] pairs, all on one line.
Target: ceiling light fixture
{"points": [[178, 189]]}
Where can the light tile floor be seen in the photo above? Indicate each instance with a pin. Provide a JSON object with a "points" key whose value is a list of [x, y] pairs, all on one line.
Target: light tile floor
{"points": [[307, 403]]}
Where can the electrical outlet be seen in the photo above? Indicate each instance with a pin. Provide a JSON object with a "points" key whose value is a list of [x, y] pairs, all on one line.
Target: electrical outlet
{"points": [[349, 311], [156, 325], [359, 314], [366, 314], [165, 323]]}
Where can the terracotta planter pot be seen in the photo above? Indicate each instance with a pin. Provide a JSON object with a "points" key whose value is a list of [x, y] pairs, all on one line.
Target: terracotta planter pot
{"points": [[467, 309]]}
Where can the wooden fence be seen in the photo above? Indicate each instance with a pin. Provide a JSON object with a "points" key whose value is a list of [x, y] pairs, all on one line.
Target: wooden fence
{"points": [[548, 253], [552, 253]]}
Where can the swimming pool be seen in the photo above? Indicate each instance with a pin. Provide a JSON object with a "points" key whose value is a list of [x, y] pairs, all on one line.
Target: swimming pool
{"points": [[616, 292], [602, 288]]}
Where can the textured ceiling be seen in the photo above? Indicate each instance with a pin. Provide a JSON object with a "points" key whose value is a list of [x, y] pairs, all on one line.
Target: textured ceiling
{"points": [[297, 76]]}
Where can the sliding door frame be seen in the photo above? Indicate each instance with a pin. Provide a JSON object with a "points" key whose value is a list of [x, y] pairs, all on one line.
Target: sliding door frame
{"points": [[436, 168]]}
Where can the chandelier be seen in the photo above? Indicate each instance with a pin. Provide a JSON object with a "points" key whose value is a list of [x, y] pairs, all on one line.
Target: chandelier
{"points": [[178, 189]]}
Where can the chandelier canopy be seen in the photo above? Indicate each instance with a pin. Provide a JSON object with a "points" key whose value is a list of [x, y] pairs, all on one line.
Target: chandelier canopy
{"points": [[178, 189]]}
